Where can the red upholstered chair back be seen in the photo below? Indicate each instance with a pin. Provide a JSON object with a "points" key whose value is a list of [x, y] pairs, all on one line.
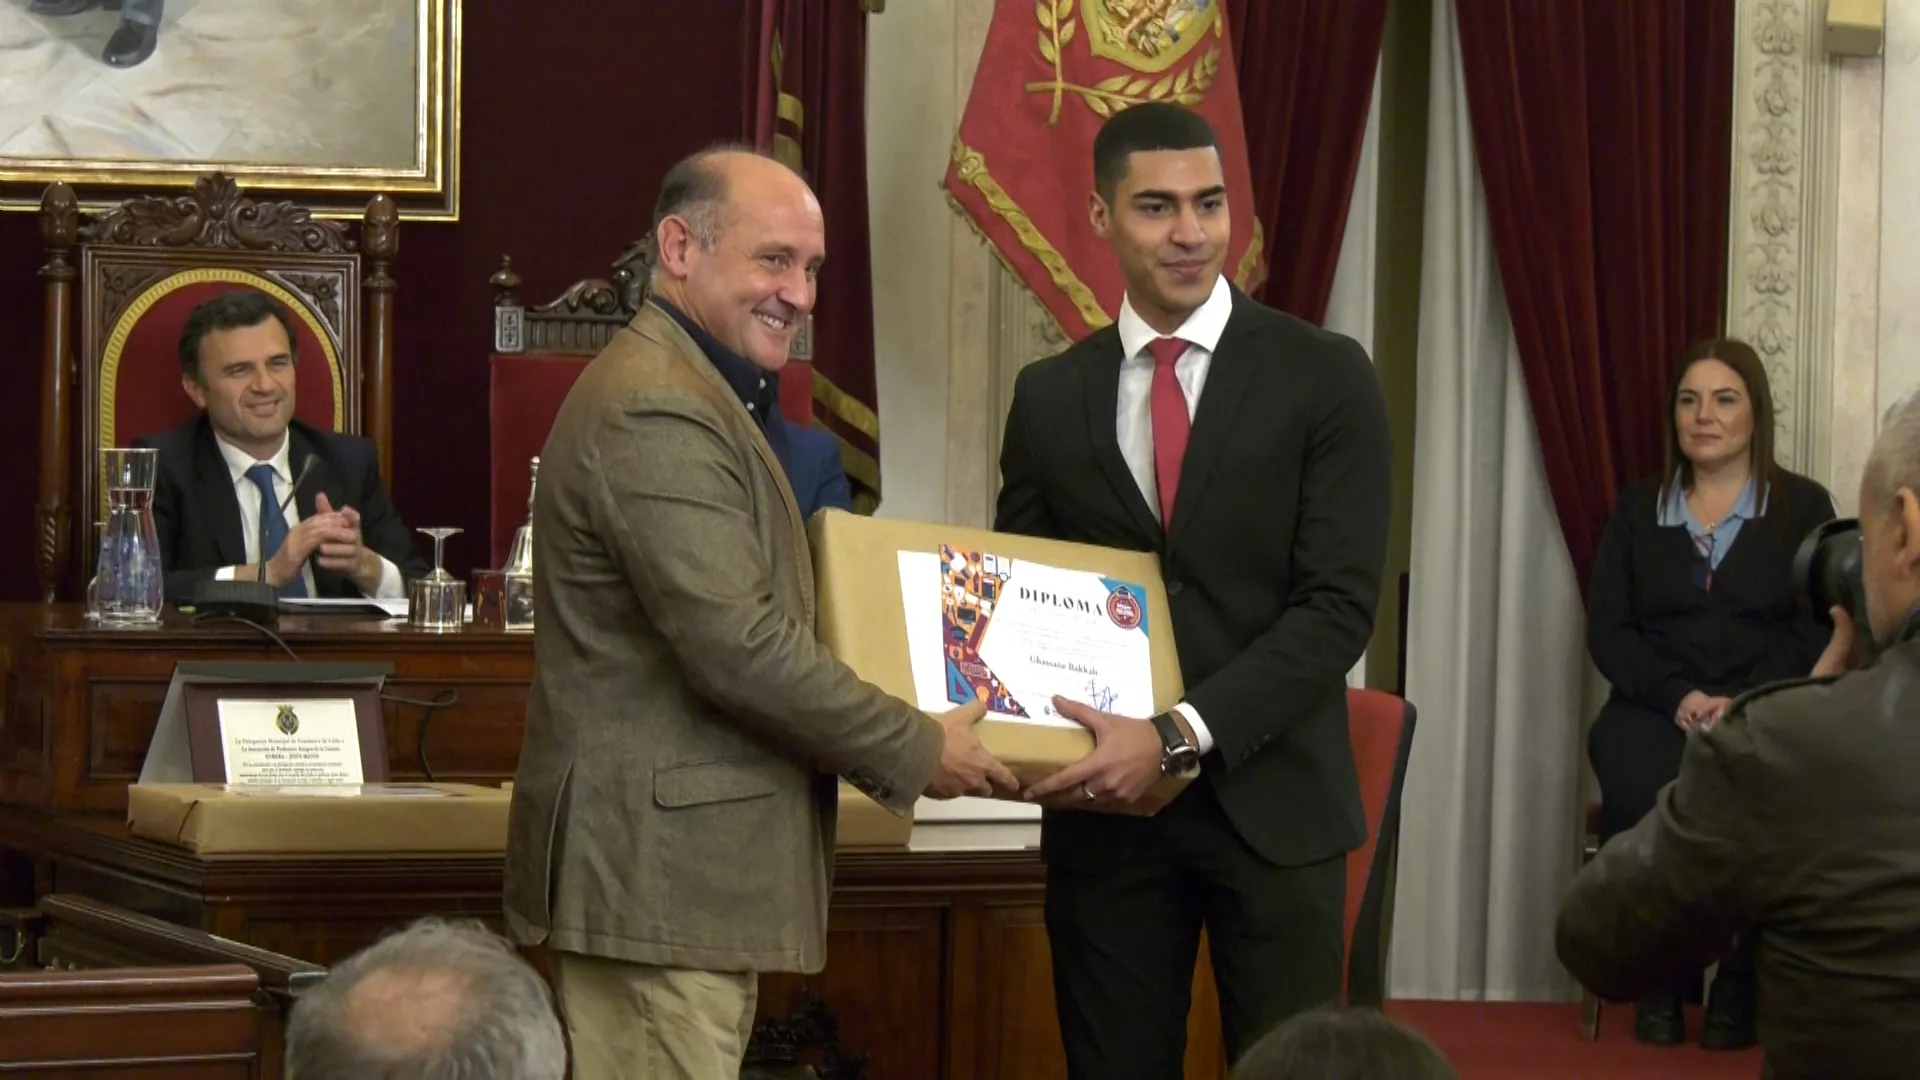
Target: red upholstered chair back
{"points": [[122, 285], [136, 386], [524, 394], [1382, 730], [537, 353]]}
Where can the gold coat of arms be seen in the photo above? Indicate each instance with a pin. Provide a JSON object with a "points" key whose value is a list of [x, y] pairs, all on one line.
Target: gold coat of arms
{"points": [[1147, 35], [288, 721]]}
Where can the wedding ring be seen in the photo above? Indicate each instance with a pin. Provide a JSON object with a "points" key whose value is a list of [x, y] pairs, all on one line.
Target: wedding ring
{"points": [[1086, 792]]}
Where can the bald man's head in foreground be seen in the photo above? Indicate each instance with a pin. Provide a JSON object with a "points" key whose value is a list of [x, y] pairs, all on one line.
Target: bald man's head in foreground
{"points": [[739, 240], [437, 1001]]}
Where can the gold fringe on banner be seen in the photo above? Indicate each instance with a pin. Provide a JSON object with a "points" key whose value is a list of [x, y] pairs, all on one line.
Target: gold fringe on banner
{"points": [[786, 147], [1252, 273], [971, 166], [862, 468]]}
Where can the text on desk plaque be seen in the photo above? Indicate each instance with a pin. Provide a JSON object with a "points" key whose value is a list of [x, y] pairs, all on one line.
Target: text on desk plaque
{"points": [[299, 742]]}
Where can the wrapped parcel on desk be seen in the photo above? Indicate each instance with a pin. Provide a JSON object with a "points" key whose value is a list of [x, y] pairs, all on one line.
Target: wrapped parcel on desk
{"points": [[331, 819], [940, 614]]}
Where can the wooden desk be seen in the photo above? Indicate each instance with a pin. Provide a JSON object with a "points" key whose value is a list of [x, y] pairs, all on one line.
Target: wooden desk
{"points": [[81, 700], [938, 963], [937, 955]]}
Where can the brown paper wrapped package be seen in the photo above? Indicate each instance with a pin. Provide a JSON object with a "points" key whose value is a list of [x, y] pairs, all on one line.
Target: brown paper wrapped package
{"points": [[863, 620], [211, 820]]}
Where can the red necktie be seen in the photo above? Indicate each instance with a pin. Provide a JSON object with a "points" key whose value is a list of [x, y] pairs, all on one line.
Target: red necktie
{"points": [[1170, 422]]}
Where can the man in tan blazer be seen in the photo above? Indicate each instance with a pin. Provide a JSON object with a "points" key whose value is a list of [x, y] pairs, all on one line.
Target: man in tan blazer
{"points": [[1798, 817], [673, 815]]}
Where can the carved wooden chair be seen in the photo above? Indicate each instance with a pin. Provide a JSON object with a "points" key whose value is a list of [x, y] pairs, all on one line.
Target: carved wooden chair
{"points": [[803, 1046], [119, 289], [537, 354]]}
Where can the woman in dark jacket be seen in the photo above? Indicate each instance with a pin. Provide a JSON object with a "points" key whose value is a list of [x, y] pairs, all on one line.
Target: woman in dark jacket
{"points": [[1692, 603]]}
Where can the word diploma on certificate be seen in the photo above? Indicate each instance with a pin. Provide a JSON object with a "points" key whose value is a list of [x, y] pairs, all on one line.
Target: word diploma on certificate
{"points": [[1014, 633], [290, 743]]}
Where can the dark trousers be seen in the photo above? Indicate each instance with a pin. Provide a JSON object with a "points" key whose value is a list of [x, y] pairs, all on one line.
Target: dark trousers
{"points": [[1635, 753], [1126, 900]]}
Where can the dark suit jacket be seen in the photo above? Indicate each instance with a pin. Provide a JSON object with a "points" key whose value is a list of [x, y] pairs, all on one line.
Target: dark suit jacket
{"points": [[1797, 815], [1272, 564], [1657, 635], [197, 514], [819, 481]]}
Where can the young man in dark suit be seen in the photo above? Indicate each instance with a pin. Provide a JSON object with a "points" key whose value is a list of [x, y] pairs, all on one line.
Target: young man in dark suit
{"points": [[1250, 450], [337, 537]]}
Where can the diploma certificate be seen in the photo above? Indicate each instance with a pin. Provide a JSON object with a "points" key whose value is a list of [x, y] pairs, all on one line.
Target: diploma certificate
{"points": [[1015, 633], [306, 741]]}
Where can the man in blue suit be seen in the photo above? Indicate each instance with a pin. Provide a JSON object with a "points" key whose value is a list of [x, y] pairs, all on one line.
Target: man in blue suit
{"points": [[814, 469]]}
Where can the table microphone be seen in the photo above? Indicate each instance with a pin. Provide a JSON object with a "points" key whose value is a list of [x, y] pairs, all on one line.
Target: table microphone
{"points": [[256, 600]]}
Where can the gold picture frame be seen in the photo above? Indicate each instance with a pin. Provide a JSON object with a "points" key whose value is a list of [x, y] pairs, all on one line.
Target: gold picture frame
{"points": [[285, 108]]}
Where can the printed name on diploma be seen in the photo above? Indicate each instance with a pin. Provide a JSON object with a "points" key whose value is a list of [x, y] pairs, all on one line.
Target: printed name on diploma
{"points": [[1064, 665]]}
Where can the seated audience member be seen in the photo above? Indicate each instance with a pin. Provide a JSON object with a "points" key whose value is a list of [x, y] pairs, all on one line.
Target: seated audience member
{"points": [[337, 537], [436, 1001], [819, 481], [1357, 1044], [1691, 603], [1797, 814]]}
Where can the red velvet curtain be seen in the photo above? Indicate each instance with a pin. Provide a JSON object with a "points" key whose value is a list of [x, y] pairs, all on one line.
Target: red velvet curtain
{"points": [[1306, 85], [1603, 133], [816, 100]]}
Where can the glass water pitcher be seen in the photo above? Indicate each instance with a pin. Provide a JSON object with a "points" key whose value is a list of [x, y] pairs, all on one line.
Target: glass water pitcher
{"points": [[129, 585]]}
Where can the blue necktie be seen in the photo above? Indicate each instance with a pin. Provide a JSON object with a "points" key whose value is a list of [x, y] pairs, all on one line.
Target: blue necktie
{"points": [[273, 526]]}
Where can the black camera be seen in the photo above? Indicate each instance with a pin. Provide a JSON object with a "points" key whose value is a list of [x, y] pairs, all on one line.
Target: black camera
{"points": [[1827, 570]]}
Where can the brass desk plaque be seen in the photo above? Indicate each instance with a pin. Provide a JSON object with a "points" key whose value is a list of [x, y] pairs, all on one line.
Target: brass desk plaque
{"points": [[241, 722], [290, 742]]}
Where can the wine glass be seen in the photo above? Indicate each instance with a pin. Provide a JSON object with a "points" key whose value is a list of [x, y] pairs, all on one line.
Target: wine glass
{"points": [[437, 601], [439, 551]]}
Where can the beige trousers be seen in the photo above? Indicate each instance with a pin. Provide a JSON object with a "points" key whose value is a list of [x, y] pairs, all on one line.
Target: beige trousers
{"points": [[637, 1022]]}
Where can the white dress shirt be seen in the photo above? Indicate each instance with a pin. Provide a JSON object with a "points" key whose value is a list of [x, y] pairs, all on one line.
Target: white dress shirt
{"points": [[248, 493], [1134, 424]]}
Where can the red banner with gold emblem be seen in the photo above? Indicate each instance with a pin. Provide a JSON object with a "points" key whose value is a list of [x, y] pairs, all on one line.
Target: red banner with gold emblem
{"points": [[807, 73], [1052, 72]]}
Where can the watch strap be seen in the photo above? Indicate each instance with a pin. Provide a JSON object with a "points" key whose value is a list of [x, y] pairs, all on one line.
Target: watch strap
{"points": [[1171, 737]]}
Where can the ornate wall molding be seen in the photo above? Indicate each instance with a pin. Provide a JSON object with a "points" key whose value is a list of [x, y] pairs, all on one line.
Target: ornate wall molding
{"points": [[1781, 233]]}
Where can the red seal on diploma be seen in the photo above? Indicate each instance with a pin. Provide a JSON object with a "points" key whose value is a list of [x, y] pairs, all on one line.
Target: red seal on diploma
{"points": [[1124, 609]]}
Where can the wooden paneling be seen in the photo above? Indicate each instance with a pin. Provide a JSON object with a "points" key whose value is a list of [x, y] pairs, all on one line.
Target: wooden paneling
{"points": [[1003, 983], [899, 949], [937, 960], [83, 701], [77, 933], [187, 1023]]}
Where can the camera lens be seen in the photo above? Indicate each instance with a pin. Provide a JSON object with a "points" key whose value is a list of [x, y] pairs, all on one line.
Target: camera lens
{"points": [[1827, 570]]}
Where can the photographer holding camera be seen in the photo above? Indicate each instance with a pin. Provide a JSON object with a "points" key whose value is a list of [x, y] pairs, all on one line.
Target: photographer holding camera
{"points": [[1796, 816]]}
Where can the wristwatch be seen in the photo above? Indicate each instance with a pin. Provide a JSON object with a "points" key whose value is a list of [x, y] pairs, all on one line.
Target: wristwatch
{"points": [[1177, 753]]}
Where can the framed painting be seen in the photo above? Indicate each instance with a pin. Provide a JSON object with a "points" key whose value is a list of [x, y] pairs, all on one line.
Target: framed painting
{"points": [[327, 101]]}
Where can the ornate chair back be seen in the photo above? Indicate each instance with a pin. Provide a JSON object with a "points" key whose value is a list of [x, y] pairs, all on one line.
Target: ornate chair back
{"points": [[119, 289]]}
